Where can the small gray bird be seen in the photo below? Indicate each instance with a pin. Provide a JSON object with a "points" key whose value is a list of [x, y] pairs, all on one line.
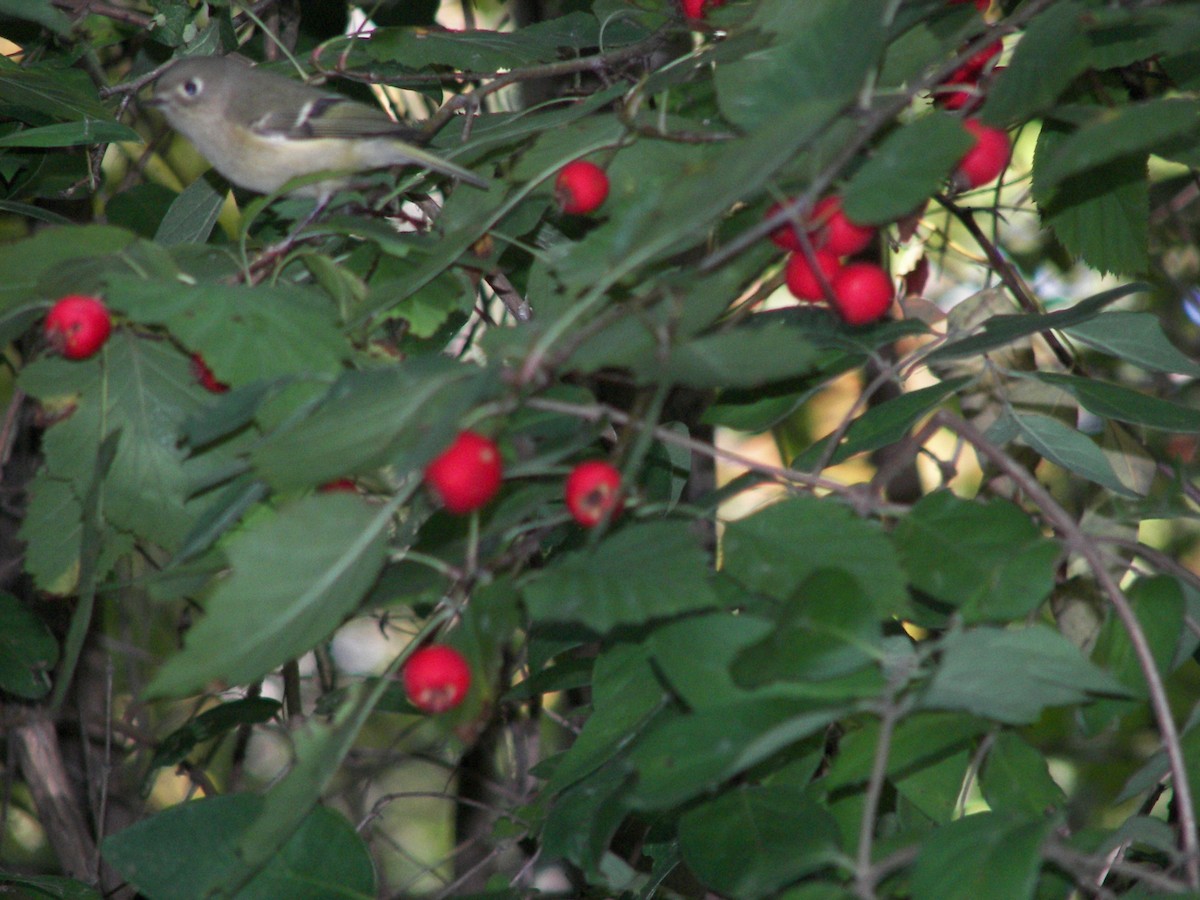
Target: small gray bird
{"points": [[260, 130]]}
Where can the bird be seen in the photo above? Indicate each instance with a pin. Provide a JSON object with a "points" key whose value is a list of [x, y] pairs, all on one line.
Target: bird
{"points": [[261, 130]]}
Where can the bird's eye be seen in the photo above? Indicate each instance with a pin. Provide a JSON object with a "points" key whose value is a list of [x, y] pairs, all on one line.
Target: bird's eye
{"points": [[191, 87]]}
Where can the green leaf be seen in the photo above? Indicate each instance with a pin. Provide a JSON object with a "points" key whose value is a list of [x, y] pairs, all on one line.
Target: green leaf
{"points": [[784, 61], [55, 887], [1137, 338], [1114, 401], [906, 169], [1101, 216], [28, 651], [753, 840], [195, 844], [583, 819], [1115, 133], [50, 89], [627, 697], [143, 390], [986, 856], [641, 572], [210, 724], [1052, 52], [399, 415], [295, 577], [23, 263], [52, 531], [774, 551], [882, 424], [988, 560], [191, 216], [918, 741], [244, 333], [71, 134], [1159, 607], [1014, 779], [741, 358], [685, 756], [829, 628], [1066, 447], [1012, 675], [40, 12], [489, 51]]}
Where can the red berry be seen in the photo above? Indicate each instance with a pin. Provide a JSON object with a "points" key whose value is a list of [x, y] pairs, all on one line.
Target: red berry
{"points": [[593, 489], [785, 235], [862, 293], [77, 326], [467, 474], [694, 9], [580, 187], [986, 159], [436, 678], [980, 59], [802, 281], [834, 232], [203, 374]]}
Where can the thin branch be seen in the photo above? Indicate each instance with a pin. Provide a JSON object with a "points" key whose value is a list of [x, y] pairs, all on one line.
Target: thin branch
{"points": [[1008, 275], [599, 412], [864, 883], [1077, 541]]}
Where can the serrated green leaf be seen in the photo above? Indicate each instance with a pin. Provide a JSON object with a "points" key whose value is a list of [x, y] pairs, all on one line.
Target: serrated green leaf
{"points": [[627, 699], [195, 844], [1015, 779], [191, 215], [826, 630], [987, 560], [917, 741], [1132, 130], [742, 358], [144, 390], [776, 549], [22, 263], [753, 840], [1102, 215], [685, 756], [70, 134], [641, 572], [244, 333], [1012, 675], [1052, 52], [986, 856], [791, 63], [906, 169], [398, 415], [294, 577]]}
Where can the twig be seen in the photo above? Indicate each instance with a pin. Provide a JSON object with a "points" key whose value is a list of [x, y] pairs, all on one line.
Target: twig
{"points": [[599, 412], [1073, 861], [864, 885], [1008, 275], [1077, 541]]}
